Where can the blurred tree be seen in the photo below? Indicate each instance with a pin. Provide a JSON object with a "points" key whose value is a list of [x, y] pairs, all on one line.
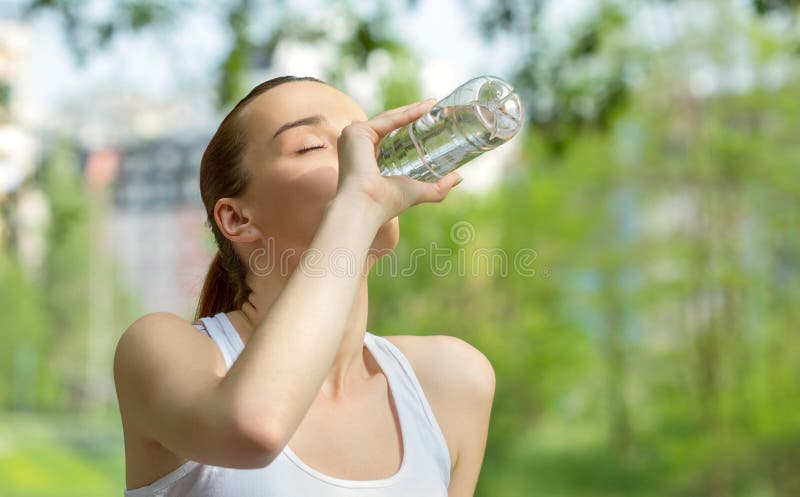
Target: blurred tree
{"points": [[45, 323], [23, 371], [88, 31], [66, 271], [581, 83]]}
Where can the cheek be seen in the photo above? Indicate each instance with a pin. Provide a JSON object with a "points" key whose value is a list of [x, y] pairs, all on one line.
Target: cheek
{"points": [[310, 191], [314, 181], [291, 201]]}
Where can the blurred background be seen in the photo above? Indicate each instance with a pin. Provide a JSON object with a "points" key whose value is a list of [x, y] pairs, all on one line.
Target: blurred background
{"points": [[652, 348]]}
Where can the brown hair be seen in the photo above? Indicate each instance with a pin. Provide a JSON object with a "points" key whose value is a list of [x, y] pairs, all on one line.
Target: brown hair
{"points": [[222, 175]]}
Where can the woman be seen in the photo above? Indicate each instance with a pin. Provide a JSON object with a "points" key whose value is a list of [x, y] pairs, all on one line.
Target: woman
{"points": [[278, 390]]}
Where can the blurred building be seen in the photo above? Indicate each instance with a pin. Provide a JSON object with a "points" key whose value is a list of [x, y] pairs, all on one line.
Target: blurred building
{"points": [[142, 160], [146, 234], [157, 226]]}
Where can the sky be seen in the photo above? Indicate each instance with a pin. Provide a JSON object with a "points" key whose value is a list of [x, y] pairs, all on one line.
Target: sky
{"points": [[158, 64]]}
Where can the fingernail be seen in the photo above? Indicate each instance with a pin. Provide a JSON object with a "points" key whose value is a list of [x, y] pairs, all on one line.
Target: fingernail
{"points": [[460, 179]]}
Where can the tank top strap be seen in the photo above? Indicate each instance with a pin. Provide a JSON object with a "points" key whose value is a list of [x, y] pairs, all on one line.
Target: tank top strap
{"points": [[427, 433], [221, 330], [202, 328]]}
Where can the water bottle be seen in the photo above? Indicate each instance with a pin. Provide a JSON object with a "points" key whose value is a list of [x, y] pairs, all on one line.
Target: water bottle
{"points": [[479, 115]]}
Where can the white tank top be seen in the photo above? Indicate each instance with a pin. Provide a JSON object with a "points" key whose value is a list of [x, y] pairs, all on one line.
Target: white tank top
{"points": [[424, 471]]}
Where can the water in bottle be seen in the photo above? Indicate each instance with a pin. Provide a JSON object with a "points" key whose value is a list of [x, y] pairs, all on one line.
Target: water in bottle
{"points": [[479, 115]]}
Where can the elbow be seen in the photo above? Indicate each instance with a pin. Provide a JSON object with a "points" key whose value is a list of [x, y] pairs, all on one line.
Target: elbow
{"points": [[262, 443]]}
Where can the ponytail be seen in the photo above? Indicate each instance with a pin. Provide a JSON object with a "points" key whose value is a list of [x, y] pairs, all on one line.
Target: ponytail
{"points": [[218, 295], [226, 285]]}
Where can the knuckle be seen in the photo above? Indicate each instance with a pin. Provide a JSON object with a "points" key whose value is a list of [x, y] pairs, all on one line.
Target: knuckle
{"points": [[359, 129], [349, 130], [348, 134]]}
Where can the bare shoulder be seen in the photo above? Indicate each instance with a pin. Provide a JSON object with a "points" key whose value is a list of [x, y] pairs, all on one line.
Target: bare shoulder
{"points": [[148, 347], [448, 363], [157, 321], [154, 331]]}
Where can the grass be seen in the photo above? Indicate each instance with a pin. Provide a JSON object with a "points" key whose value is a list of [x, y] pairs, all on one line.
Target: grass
{"points": [[74, 456], [46, 456]]}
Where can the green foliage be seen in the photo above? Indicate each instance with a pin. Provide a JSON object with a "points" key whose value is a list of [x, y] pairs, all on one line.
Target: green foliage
{"points": [[46, 320], [67, 270], [23, 335], [767, 6], [232, 82]]}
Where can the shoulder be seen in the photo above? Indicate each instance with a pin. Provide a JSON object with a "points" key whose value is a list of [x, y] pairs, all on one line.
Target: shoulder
{"points": [[158, 346], [151, 334], [458, 381], [156, 320], [448, 362], [154, 323]]}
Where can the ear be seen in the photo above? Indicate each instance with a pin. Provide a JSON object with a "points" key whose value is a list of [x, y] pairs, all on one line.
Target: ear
{"points": [[234, 221]]}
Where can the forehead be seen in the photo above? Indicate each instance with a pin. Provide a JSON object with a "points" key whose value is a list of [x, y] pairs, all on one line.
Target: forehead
{"points": [[299, 99]]}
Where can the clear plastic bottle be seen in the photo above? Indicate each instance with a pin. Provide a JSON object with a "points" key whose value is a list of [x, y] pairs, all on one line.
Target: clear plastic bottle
{"points": [[479, 115]]}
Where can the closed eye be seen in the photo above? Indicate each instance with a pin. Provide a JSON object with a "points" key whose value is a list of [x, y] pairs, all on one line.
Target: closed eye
{"points": [[307, 149]]}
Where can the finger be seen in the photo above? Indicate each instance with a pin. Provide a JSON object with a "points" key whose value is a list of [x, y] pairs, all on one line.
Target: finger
{"points": [[390, 113], [388, 122], [385, 123], [404, 107], [437, 191], [395, 110], [400, 109]]}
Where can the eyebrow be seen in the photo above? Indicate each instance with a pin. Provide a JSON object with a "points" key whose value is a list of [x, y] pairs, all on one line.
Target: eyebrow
{"points": [[314, 120]]}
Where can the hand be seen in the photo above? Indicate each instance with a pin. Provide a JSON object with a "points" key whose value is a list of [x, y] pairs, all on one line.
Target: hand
{"points": [[358, 148]]}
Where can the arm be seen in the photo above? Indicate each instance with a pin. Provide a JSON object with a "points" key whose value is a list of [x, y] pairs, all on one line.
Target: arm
{"points": [[279, 373]]}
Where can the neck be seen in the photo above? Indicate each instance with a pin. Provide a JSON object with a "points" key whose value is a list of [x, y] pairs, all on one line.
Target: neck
{"points": [[349, 365]]}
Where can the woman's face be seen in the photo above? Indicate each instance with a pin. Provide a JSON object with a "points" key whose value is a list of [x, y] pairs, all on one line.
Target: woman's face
{"points": [[291, 157]]}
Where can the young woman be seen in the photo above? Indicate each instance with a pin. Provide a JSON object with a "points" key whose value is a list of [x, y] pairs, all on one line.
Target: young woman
{"points": [[278, 389]]}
